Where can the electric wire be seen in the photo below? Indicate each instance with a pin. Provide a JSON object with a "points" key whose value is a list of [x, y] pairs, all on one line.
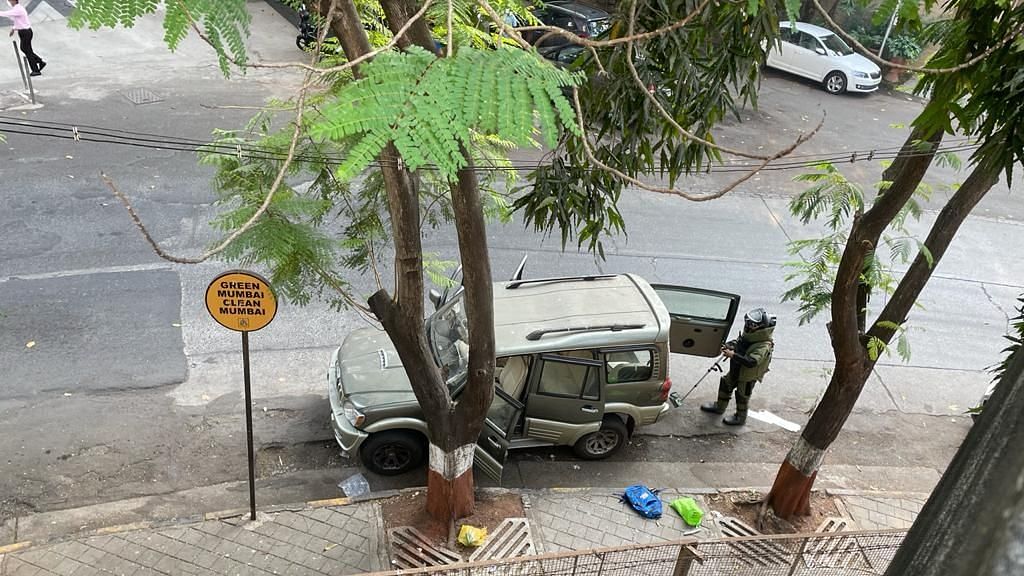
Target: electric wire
{"points": [[102, 135]]}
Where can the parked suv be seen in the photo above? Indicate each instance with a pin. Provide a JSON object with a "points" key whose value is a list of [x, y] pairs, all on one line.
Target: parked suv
{"points": [[581, 361], [581, 19]]}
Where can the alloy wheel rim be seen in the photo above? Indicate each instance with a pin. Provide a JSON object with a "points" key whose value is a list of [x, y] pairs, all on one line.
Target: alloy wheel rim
{"points": [[602, 442], [835, 84], [392, 457]]}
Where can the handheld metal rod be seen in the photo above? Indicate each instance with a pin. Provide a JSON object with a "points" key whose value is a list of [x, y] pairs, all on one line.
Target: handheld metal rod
{"points": [[714, 367]]}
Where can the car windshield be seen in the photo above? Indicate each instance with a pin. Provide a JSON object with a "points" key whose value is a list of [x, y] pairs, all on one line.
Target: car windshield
{"points": [[449, 337], [835, 44]]}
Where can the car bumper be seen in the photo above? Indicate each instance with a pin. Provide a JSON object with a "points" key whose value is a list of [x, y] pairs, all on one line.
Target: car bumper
{"points": [[348, 436], [864, 84]]}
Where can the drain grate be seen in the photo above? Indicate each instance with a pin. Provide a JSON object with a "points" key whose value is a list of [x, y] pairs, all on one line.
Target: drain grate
{"points": [[409, 549], [752, 553], [833, 524], [510, 539], [139, 96], [835, 552]]}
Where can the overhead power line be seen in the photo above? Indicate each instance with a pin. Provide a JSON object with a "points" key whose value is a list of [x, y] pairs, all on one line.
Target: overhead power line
{"points": [[102, 135]]}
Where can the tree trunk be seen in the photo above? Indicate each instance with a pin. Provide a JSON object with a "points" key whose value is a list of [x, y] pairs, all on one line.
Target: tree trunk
{"points": [[973, 522], [809, 13], [790, 493], [453, 426], [450, 478]]}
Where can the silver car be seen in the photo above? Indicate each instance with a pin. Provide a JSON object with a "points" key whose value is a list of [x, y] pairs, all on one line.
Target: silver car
{"points": [[582, 362]]}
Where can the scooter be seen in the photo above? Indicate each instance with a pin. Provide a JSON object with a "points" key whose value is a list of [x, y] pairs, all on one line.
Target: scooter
{"points": [[308, 36]]}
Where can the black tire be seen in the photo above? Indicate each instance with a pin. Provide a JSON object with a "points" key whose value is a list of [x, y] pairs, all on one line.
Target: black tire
{"points": [[835, 82], [392, 452], [301, 43], [603, 443]]}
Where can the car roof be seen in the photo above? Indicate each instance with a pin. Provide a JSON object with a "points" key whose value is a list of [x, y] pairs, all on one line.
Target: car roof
{"points": [[574, 303], [816, 31], [588, 12]]}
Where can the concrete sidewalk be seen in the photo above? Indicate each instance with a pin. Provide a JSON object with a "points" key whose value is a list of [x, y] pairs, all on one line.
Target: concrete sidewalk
{"points": [[347, 537]]}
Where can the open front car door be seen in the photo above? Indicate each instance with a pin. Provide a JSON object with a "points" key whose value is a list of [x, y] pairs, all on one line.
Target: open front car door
{"points": [[492, 446]]}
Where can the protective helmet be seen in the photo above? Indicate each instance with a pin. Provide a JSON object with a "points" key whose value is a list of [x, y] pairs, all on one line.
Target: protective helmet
{"points": [[757, 319]]}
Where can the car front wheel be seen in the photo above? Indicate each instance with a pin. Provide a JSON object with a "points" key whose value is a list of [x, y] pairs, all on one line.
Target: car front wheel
{"points": [[393, 452], [603, 443], [835, 83]]}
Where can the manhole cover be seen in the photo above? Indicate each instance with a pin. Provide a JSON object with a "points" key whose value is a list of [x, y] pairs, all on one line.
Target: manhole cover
{"points": [[142, 96], [409, 549], [510, 539]]}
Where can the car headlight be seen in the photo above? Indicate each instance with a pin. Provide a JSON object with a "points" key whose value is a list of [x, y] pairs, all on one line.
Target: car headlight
{"points": [[861, 75], [354, 416]]}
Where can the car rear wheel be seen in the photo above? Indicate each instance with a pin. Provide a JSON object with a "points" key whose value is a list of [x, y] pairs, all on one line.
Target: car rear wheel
{"points": [[603, 443], [393, 452], [835, 83]]}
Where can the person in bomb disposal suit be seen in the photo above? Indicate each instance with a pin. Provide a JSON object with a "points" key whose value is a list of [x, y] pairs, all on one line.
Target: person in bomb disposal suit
{"points": [[19, 17], [749, 357]]}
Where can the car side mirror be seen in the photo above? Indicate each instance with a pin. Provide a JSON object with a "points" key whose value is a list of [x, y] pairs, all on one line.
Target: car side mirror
{"points": [[435, 297], [820, 51]]}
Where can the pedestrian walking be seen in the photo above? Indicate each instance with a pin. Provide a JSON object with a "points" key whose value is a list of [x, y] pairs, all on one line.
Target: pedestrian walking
{"points": [[749, 357], [19, 17]]}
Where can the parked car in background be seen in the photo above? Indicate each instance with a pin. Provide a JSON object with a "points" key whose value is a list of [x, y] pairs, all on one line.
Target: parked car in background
{"points": [[581, 19], [817, 53], [581, 361]]}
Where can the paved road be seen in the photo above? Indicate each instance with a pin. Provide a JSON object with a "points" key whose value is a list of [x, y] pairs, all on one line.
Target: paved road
{"points": [[130, 388]]}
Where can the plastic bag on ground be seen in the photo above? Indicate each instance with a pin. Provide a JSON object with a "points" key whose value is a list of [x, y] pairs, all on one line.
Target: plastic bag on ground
{"points": [[355, 486], [643, 500], [688, 509], [471, 535]]}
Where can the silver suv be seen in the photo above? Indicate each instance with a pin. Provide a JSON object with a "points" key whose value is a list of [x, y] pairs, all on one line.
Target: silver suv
{"points": [[581, 362]]}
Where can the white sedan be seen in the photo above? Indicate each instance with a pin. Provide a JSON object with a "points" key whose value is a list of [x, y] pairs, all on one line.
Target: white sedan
{"points": [[817, 53]]}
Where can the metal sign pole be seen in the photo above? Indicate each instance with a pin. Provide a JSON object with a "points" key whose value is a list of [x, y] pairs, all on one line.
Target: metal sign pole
{"points": [[31, 90], [248, 426], [243, 302], [21, 67]]}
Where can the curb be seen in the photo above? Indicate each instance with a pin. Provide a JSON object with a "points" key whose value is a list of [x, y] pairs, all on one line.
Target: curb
{"points": [[233, 513]]}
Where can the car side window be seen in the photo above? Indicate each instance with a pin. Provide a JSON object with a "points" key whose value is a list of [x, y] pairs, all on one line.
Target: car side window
{"points": [[569, 378], [787, 34], [808, 42], [502, 413], [629, 366]]}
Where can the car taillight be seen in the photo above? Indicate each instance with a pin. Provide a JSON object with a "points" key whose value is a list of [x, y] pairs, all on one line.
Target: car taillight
{"points": [[583, 35], [666, 387]]}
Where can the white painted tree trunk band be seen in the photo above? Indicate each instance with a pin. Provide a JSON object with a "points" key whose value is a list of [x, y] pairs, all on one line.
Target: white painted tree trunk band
{"points": [[451, 465], [804, 457]]}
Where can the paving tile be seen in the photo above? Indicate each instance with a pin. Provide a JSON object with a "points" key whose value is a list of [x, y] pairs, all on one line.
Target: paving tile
{"points": [[14, 566]]}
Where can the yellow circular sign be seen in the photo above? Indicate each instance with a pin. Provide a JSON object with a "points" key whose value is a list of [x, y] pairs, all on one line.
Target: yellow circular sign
{"points": [[241, 301]]}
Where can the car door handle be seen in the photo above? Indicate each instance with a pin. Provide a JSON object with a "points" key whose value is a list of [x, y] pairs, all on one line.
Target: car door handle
{"points": [[493, 442], [589, 410]]}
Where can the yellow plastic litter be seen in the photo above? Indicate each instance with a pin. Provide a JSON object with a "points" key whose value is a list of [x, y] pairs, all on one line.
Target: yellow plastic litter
{"points": [[471, 535]]}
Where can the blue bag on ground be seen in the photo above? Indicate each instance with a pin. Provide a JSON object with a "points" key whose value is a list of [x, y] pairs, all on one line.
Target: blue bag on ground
{"points": [[643, 500]]}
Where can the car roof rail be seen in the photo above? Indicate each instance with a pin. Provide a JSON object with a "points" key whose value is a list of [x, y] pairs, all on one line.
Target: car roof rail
{"points": [[538, 334], [517, 283]]}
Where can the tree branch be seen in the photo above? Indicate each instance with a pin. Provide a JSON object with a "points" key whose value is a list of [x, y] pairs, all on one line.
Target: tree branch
{"points": [[946, 225], [479, 300], [905, 174], [661, 109], [868, 54], [669, 190]]}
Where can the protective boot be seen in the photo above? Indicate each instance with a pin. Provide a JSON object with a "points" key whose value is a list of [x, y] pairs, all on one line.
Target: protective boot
{"points": [[712, 407], [736, 419]]}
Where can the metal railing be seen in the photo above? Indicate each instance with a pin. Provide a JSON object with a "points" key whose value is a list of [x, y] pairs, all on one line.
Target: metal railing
{"points": [[832, 554]]}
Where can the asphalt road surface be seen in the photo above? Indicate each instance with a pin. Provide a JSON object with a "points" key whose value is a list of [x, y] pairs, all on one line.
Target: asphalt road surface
{"points": [[116, 383]]}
